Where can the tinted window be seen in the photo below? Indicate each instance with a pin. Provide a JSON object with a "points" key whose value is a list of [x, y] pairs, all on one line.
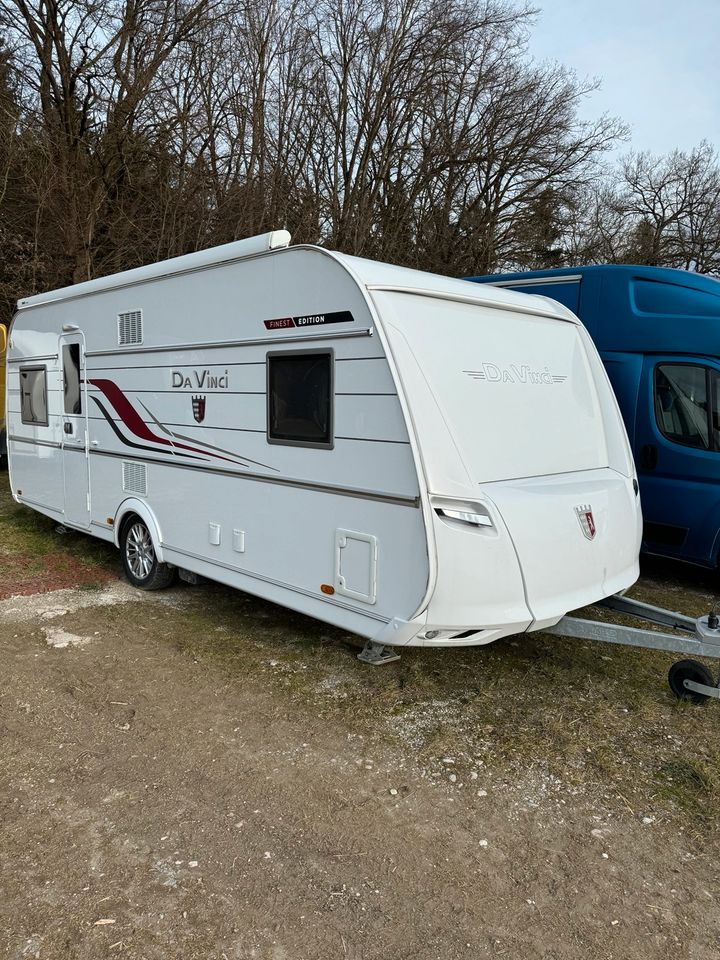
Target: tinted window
{"points": [[71, 378], [672, 300], [33, 396], [300, 398], [681, 404]]}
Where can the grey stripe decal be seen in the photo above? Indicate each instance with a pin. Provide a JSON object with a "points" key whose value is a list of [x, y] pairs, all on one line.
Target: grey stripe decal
{"points": [[206, 426], [45, 356], [201, 443], [224, 344], [400, 499], [232, 363], [33, 442]]}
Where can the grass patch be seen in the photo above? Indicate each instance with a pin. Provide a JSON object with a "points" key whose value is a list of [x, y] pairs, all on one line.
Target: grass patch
{"points": [[692, 785], [34, 557]]}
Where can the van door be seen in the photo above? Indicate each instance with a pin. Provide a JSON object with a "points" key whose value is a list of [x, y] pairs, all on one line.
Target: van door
{"points": [[677, 452], [75, 439]]}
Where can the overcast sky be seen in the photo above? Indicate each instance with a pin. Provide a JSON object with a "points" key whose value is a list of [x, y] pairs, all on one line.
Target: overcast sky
{"points": [[659, 63]]}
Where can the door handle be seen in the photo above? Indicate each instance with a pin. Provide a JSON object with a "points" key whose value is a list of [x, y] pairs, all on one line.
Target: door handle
{"points": [[648, 456], [68, 427]]}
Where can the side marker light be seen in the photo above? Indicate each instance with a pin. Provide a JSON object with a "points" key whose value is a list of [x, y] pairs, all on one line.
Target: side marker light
{"points": [[464, 516]]}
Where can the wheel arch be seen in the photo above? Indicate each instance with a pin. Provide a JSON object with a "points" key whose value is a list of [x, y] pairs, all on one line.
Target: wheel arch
{"points": [[141, 509]]}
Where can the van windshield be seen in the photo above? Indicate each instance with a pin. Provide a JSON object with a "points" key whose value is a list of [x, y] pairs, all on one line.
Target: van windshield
{"points": [[516, 391]]}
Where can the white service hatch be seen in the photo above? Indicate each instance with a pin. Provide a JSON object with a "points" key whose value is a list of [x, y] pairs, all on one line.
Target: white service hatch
{"points": [[355, 565]]}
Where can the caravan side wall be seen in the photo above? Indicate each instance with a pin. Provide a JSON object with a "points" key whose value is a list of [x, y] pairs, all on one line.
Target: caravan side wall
{"points": [[177, 426], [330, 433], [657, 333]]}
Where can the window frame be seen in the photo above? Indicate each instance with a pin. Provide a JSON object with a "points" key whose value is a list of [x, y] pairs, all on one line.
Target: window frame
{"points": [[35, 368], [311, 444], [710, 373]]}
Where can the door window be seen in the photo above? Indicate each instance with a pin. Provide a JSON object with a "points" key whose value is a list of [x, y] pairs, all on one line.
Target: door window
{"points": [[683, 407], [71, 378]]}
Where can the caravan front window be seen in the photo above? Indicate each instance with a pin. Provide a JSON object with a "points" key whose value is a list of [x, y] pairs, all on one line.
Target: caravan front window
{"points": [[33, 395], [299, 391]]}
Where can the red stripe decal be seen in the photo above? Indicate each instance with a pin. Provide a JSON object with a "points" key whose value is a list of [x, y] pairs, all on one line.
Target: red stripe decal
{"points": [[127, 413], [134, 422]]}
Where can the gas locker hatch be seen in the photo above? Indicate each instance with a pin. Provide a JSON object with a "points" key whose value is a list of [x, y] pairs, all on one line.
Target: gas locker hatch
{"points": [[356, 565]]}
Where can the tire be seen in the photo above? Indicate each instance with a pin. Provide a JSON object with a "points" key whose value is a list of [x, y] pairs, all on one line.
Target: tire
{"points": [[139, 560], [689, 670]]}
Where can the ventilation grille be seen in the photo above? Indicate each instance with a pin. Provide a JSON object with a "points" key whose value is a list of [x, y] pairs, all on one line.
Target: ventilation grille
{"points": [[130, 327], [134, 477]]}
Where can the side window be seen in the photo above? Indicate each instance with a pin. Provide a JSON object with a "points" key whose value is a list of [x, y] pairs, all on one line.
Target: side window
{"points": [[681, 404], [33, 395], [71, 378], [715, 407], [299, 391]]}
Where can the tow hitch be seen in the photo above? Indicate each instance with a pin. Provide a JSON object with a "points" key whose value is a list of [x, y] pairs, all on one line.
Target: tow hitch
{"points": [[688, 679]]}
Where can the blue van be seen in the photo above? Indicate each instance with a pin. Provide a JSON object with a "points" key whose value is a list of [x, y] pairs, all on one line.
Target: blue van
{"points": [[658, 333]]}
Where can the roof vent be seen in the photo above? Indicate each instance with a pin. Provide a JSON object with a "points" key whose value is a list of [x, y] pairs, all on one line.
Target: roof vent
{"points": [[130, 327]]}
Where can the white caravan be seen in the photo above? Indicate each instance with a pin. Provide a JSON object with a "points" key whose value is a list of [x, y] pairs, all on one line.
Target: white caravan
{"points": [[416, 459]]}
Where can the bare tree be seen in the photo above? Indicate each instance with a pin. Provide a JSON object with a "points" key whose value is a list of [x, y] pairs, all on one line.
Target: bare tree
{"points": [[416, 131], [89, 69]]}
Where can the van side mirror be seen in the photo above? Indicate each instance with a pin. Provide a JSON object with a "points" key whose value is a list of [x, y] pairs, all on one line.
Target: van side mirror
{"points": [[3, 338]]}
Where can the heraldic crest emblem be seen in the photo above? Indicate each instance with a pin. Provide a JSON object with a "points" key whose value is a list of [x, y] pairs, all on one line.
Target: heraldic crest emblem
{"points": [[198, 404]]}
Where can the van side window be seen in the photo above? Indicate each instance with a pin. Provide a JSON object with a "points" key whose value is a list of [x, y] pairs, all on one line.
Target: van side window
{"points": [[681, 404], [71, 378], [299, 391], [33, 395]]}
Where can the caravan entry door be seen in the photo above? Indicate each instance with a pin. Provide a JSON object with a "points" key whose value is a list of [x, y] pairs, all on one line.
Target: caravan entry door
{"points": [[75, 439]]}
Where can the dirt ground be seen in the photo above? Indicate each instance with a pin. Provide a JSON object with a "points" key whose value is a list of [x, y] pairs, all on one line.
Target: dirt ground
{"points": [[198, 774]]}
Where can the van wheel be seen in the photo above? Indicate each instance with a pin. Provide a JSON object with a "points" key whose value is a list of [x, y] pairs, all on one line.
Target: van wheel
{"points": [[139, 560]]}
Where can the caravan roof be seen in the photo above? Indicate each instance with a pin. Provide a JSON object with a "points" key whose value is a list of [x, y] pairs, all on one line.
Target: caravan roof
{"points": [[369, 273]]}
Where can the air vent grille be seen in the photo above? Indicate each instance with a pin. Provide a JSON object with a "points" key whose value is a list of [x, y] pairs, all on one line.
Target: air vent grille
{"points": [[134, 477], [130, 327]]}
